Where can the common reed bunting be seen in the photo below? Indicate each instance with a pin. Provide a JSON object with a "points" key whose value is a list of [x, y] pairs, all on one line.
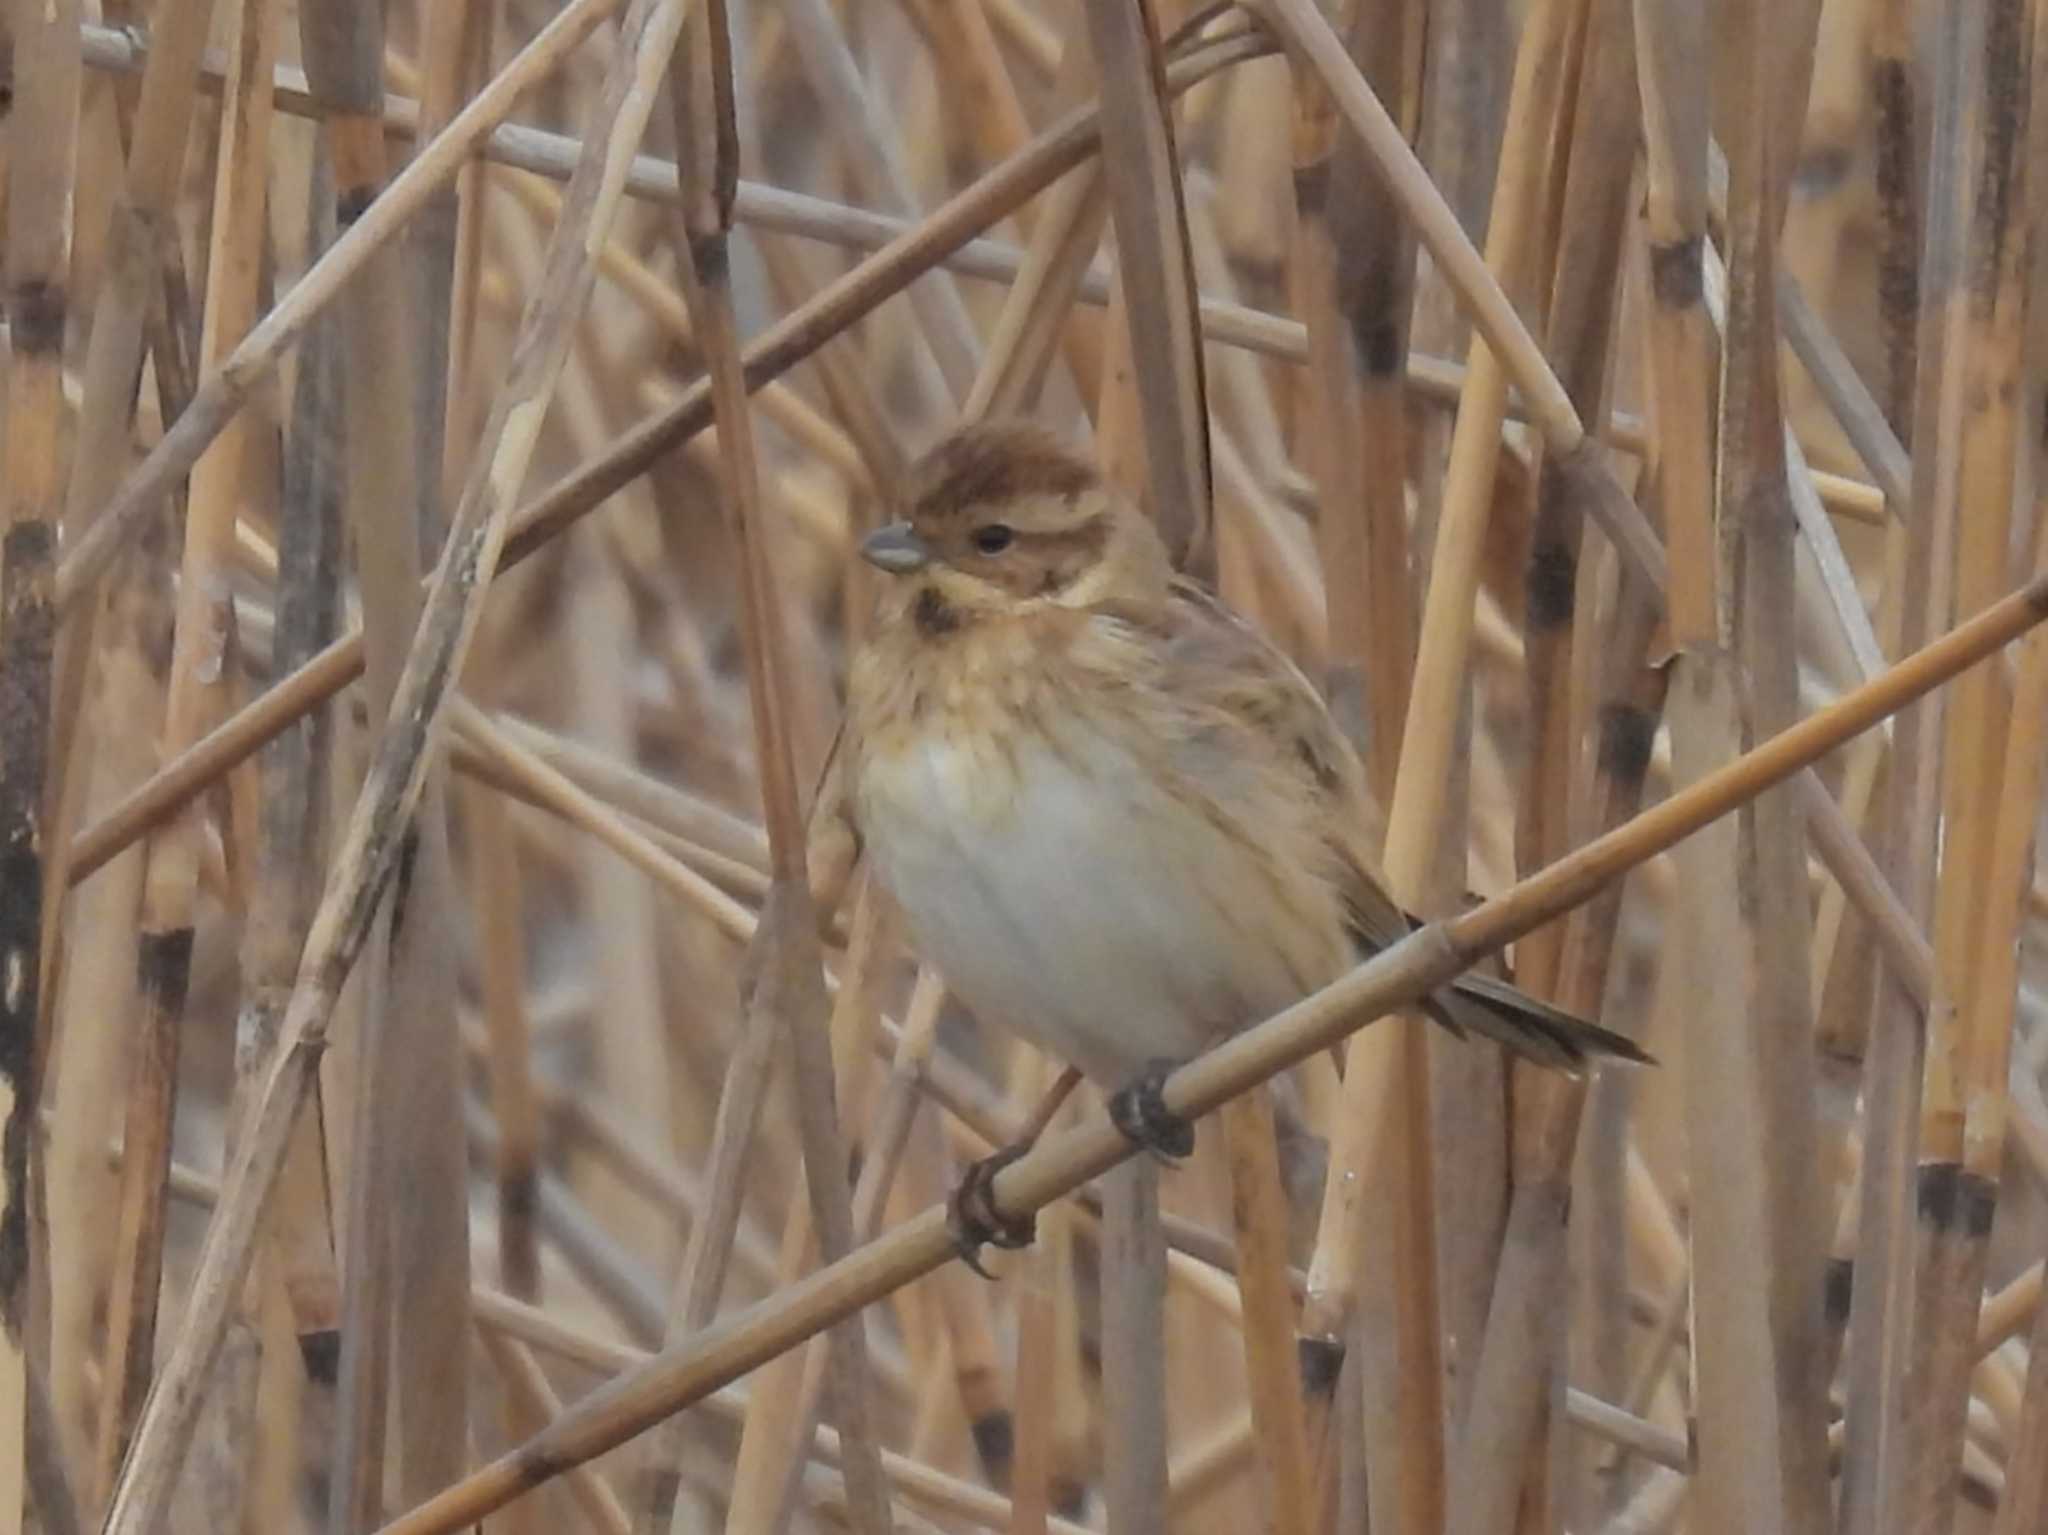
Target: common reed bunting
{"points": [[1117, 820]]}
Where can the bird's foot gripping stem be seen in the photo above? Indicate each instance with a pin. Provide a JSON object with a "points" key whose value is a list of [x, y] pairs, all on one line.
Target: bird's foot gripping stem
{"points": [[972, 1219], [1139, 1110]]}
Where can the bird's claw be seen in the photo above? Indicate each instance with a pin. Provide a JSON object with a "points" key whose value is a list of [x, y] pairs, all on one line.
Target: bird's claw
{"points": [[1139, 1110], [972, 1219]]}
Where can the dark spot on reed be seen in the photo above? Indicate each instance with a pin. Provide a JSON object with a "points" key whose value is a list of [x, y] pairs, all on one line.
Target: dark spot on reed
{"points": [[1676, 277], [995, 1441], [1840, 1290], [1952, 1198], [1627, 735], [1551, 584], [320, 1352], [35, 315], [1322, 1361]]}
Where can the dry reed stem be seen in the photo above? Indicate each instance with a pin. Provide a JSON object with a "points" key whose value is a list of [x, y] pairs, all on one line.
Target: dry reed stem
{"points": [[296, 1271], [1273, 1368], [2026, 1464], [367, 857], [1354, 265], [291, 837], [203, 655], [778, 348], [1141, 173], [1386, 1081], [1758, 1259], [1879, 1306], [38, 258], [789, 977], [1512, 1380], [1392, 979], [1980, 114], [408, 1210], [1861, 418], [1134, 1396], [1566, 675], [494, 875], [1900, 169], [1033, 1401]]}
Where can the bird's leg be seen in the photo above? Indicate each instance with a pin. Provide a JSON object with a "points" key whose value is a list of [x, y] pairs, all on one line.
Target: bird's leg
{"points": [[1139, 1110], [971, 1216]]}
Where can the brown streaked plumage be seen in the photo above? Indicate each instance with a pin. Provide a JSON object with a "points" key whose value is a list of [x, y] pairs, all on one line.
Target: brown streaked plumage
{"points": [[1116, 818]]}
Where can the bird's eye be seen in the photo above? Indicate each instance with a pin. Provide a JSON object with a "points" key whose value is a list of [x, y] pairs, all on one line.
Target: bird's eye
{"points": [[993, 538]]}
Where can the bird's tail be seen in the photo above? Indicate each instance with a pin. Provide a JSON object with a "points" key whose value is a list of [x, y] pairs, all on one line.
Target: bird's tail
{"points": [[1549, 1036]]}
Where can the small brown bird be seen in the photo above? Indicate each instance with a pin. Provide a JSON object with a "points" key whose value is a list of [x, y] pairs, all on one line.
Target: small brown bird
{"points": [[1117, 820]]}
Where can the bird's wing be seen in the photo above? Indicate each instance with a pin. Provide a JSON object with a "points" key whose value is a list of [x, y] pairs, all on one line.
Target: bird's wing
{"points": [[1222, 663], [1222, 669]]}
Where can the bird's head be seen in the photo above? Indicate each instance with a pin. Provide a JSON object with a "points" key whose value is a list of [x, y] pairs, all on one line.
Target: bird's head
{"points": [[1005, 519]]}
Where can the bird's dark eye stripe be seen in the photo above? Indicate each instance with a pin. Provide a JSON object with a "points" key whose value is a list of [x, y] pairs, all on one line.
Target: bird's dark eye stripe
{"points": [[993, 537]]}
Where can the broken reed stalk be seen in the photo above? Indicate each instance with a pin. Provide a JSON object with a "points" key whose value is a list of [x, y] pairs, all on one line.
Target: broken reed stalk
{"points": [[370, 848], [777, 349], [1418, 964], [204, 655], [37, 267]]}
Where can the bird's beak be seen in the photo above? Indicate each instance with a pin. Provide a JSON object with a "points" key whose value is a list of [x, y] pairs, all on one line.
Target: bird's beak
{"points": [[896, 548]]}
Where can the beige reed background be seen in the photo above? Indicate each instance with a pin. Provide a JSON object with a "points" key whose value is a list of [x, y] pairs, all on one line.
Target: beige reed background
{"points": [[425, 591]]}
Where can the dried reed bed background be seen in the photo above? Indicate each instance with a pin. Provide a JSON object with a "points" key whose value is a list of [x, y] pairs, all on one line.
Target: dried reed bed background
{"points": [[413, 1015]]}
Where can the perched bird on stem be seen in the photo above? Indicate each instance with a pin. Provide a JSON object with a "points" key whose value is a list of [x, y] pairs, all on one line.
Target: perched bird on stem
{"points": [[1117, 819]]}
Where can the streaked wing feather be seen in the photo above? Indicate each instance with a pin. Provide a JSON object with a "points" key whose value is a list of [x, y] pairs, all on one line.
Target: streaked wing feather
{"points": [[1214, 657], [1218, 657]]}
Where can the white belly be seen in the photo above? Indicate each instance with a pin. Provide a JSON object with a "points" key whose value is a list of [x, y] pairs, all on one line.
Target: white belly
{"points": [[1067, 899]]}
